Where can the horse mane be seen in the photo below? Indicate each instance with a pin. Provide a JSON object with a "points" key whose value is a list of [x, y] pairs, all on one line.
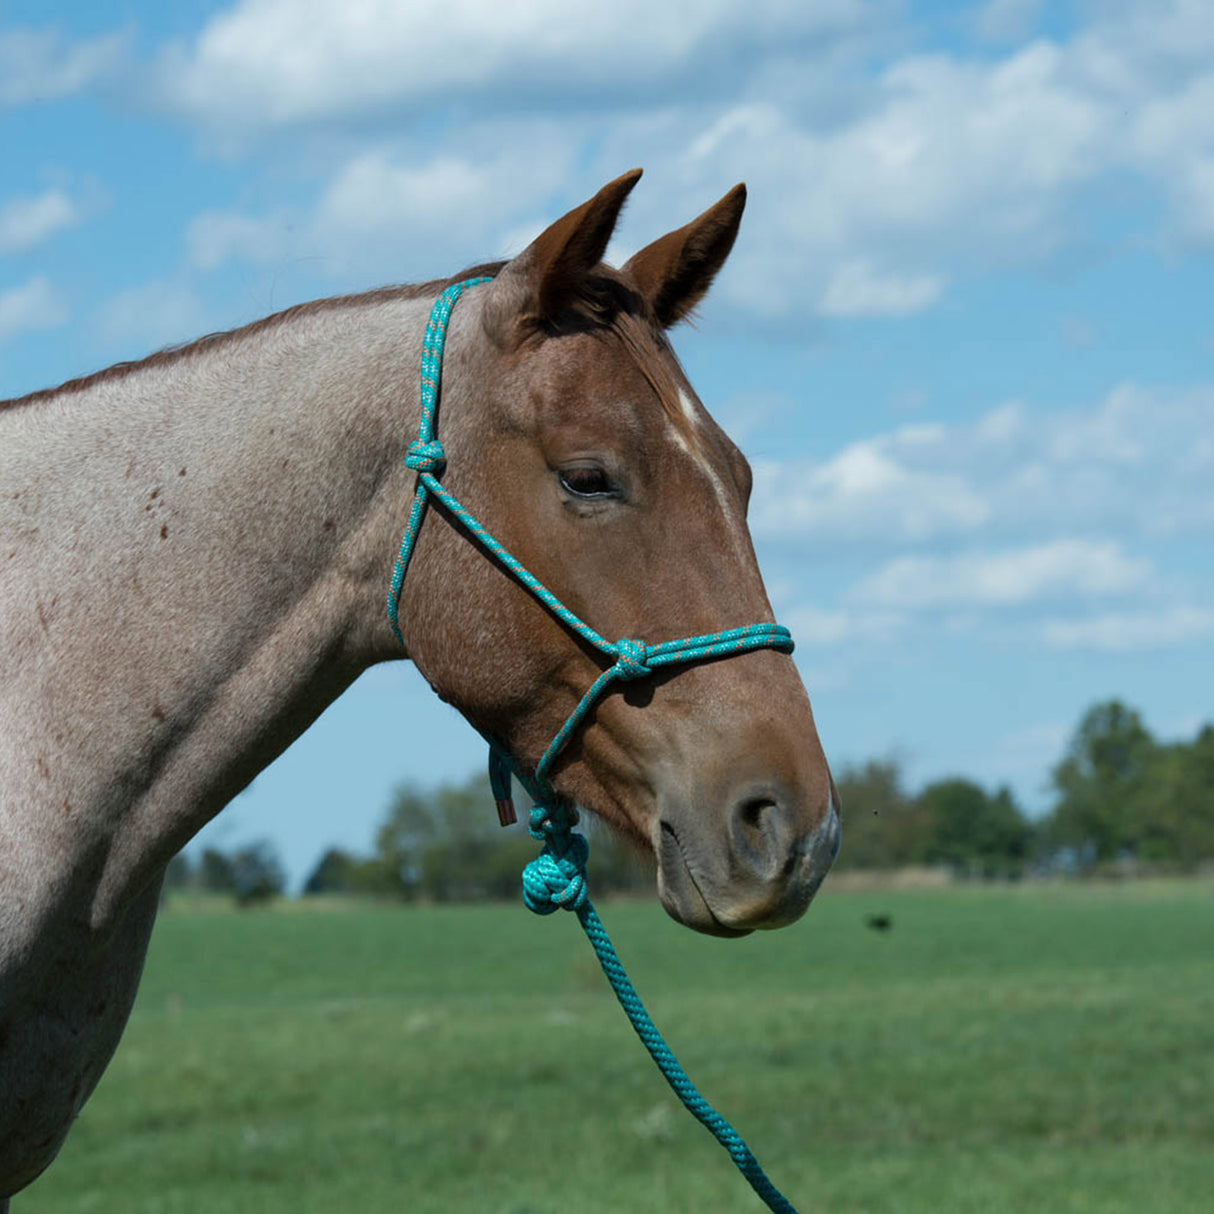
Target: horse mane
{"points": [[214, 341], [604, 303]]}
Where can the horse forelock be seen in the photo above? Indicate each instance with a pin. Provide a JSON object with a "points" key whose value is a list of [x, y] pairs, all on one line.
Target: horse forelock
{"points": [[607, 305]]}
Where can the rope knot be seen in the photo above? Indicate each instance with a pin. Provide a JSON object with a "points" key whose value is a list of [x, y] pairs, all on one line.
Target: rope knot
{"points": [[556, 878], [425, 457], [631, 658]]}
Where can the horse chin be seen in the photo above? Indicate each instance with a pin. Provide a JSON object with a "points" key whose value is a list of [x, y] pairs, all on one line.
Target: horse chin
{"points": [[681, 895]]}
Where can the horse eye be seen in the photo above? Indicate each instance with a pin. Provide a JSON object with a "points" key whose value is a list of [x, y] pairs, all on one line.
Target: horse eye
{"points": [[587, 482]]}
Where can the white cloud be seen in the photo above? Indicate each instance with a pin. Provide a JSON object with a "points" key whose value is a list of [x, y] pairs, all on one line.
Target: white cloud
{"points": [[37, 65], [1058, 568], [1005, 20], [1134, 630], [265, 63], [820, 626], [857, 289], [866, 198], [33, 305], [1139, 462], [389, 213], [26, 222], [217, 236], [947, 164], [867, 488], [150, 316]]}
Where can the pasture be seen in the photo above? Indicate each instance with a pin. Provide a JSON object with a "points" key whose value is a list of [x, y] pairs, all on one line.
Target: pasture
{"points": [[1046, 1048]]}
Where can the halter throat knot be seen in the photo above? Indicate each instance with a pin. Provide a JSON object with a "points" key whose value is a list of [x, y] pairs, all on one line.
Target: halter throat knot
{"points": [[631, 659]]}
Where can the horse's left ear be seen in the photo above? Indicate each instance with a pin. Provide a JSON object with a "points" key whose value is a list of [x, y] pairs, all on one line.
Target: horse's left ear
{"points": [[542, 279], [675, 272]]}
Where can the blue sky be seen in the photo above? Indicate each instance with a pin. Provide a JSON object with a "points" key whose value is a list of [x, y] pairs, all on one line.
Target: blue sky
{"points": [[966, 336]]}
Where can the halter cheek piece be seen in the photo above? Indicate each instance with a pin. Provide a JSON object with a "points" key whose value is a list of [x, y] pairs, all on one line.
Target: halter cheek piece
{"points": [[632, 659], [556, 878]]}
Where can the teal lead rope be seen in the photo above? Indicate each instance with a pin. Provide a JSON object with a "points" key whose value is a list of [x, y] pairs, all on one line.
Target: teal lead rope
{"points": [[556, 878]]}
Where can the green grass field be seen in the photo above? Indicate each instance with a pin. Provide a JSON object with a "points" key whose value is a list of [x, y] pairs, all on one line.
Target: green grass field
{"points": [[1038, 1048]]}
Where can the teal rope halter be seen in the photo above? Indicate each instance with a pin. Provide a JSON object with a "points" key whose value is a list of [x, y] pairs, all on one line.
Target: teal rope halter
{"points": [[556, 879]]}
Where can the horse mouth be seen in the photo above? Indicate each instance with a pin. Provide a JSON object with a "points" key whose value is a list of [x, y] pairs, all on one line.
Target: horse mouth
{"points": [[681, 894]]}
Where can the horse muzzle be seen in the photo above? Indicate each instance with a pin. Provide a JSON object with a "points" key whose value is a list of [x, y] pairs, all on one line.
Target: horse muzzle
{"points": [[763, 873]]}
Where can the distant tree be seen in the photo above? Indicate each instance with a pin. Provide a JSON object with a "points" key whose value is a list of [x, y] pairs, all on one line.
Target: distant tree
{"points": [[1102, 782], [257, 874], [410, 827], [972, 832], [215, 873], [445, 844], [333, 874], [341, 872], [882, 825], [617, 865], [179, 873], [1176, 804]]}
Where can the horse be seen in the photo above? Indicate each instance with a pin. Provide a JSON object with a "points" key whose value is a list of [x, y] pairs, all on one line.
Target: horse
{"points": [[193, 555]]}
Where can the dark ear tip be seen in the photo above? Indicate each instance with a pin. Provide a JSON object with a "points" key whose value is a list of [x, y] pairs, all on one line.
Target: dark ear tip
{"points": [[624, 182]]}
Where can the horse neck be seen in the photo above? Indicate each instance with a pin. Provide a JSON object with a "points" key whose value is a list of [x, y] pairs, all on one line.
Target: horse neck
{"points": [[196, 557]]}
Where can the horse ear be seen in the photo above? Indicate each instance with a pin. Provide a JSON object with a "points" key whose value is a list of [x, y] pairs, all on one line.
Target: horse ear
{"points": [[675, 272], [538, 283]]}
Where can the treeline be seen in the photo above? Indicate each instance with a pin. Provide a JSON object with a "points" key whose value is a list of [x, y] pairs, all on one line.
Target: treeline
{"points": [[251, 875], [445, 845], [1120, 798], [1124, 795]]}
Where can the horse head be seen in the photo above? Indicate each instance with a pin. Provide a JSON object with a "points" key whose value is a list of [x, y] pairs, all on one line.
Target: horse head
{"points": [[571, 431]]}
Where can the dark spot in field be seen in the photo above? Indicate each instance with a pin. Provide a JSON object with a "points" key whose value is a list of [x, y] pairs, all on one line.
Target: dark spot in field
{"points": [[286, 460], [543, 1073], [164, 531], [181, 472], [329, 524], [130, 467], [155, 493], [782, 1055], [157, 713], [67, 805], [148, 508], [43, 769], [42, 617], [879, 923]]}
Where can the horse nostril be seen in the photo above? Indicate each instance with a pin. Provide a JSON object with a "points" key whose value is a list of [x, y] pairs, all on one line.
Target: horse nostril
{"points": [[760, 833], [752, 812]]}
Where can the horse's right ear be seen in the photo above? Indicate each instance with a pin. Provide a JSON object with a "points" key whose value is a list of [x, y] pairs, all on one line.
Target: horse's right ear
{"points": [[540, 281]]}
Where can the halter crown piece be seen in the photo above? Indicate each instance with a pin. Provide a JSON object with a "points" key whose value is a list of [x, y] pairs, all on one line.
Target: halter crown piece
{"points": [[556, 879]]}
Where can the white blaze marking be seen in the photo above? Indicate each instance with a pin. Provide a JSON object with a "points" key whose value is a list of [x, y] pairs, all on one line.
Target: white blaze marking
{"points": [[688, 406], [689, 411]]}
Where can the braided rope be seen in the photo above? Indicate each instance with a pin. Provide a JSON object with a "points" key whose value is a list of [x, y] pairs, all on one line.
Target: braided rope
{"points": [[425, 456], [556, 878]]}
